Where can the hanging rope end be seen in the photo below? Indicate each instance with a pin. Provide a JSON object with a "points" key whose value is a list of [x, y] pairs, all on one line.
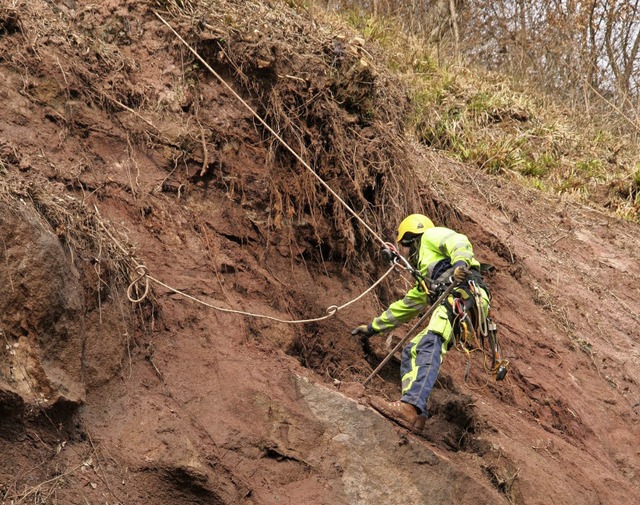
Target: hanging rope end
{"points": [[141, 272]]}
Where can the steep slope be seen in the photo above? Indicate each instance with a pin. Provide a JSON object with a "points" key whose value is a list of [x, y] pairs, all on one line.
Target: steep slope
{"points": [[119, 149]]}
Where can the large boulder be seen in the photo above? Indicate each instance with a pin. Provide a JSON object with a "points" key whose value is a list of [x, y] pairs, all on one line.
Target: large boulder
{"points": [[41, 313]]}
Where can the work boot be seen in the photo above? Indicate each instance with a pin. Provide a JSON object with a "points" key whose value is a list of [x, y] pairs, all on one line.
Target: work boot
{"points": [[404, 414]]}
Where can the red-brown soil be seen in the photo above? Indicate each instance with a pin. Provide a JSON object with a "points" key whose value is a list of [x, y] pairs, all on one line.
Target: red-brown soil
{"points": [[118, 148]]}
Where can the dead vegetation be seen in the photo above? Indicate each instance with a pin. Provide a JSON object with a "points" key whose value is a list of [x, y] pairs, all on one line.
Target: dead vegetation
{"points": [[334, 108], [507, 126], [340, 112], [89, 240]]}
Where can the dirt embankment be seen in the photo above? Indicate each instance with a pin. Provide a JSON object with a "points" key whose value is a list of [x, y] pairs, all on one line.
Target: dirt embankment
{"points": [[119, 150]]}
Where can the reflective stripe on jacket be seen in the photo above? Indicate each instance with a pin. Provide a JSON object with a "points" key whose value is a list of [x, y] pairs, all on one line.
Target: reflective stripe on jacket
{"points": [[437, 244]]}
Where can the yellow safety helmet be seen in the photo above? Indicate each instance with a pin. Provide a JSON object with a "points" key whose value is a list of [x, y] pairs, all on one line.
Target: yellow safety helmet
{"points": [[414, 225]]}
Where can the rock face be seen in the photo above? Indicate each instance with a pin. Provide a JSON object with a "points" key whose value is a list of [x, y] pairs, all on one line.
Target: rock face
{"points": [[41, 313], [366, 449], [186, 399]]}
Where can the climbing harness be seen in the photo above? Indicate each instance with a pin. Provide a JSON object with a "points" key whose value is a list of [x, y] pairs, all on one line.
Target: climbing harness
{"points": [[499, 365], [465, 329], [466, 334]]}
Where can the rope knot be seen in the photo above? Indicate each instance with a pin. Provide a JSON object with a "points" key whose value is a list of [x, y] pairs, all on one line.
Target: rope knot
{"points": [[332, 310], [141, 272]]}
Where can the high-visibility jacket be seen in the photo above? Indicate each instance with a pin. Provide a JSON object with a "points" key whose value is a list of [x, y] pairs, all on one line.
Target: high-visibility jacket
{"points": [[440, 248]]}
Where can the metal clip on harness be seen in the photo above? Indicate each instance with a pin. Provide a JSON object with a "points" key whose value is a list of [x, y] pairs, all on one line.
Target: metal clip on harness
{"points": [[499, 366], [391, 255], [487, 328]]}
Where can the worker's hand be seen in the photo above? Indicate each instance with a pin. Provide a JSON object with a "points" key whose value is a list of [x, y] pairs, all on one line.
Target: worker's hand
{"points": [[460, 274], [365, 330]]}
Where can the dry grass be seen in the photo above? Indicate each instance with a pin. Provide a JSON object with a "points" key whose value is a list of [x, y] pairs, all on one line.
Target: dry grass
{"points": [[80, 229], [508, 128]]}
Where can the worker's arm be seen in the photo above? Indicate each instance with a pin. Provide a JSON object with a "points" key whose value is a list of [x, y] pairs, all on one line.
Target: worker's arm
{"points": [[458, 248], [401, 311]]}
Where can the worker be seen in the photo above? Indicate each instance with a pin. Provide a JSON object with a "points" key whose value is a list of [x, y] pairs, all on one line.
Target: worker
{"points": [[441, 256]]}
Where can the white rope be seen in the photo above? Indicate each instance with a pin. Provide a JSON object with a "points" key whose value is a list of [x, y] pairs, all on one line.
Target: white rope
{"points": [[142, 274], [331, 311], [141, 270]]}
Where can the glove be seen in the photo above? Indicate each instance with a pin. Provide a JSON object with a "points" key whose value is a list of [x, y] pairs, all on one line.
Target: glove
{"points": [[366, 330], [461, 273]]}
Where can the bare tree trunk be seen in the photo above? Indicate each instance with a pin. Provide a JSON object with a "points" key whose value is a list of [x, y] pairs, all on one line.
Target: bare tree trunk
{"points": [[609, 45], [592, 64], [454, 23], [630, 47], [522, 36]]}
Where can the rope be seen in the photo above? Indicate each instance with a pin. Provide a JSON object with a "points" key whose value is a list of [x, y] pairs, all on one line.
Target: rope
{"points": [[142, 273], [141, 270], [467, 340], [331, 311], [278, 137], [482, 327]]}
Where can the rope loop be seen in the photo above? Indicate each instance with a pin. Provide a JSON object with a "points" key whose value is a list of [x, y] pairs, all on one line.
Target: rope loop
{"points": [[141, 272], [332, 310]]}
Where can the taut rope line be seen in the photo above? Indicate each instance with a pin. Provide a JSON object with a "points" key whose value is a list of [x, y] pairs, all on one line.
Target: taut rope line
{"points": [[278, 137], [333, 309]]}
